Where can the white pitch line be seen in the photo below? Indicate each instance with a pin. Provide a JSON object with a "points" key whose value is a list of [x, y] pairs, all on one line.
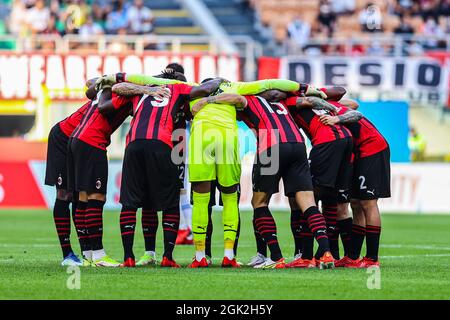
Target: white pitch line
{"points": [[416, 255], [35, 245], [415, 246]]}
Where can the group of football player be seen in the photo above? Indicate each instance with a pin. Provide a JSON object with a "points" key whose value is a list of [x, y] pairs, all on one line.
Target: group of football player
{"points": [[349, 163]]}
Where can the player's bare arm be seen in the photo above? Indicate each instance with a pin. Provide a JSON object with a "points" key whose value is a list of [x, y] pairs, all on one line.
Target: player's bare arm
{"points": [[131, 89], [348, 117], [352, 104], [205, 89], [91, 92], [225, 98], [315, 103]]}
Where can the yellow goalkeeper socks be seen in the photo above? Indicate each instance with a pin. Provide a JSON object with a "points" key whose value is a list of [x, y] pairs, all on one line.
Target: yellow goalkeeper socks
{"points": [[200, 222], [230, 218]]}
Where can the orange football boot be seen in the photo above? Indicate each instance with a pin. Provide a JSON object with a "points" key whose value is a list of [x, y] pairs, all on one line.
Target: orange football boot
{"points": [[230, 263], [346, 262], [198, 264], [302, 263], [128, 263], [326, 261], [368, 263]]}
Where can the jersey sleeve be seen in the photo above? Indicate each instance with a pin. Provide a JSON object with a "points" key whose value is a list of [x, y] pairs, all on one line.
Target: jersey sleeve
{"points": [[341, 108], [184, 89], [143, 80], [255, 87], [290, 102], [119, 101]]}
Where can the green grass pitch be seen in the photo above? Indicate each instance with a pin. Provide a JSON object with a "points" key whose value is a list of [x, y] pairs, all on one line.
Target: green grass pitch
{"points": [[415, 257]]}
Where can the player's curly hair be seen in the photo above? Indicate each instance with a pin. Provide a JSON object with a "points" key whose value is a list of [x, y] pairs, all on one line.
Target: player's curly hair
{"points": [[169, 73]]}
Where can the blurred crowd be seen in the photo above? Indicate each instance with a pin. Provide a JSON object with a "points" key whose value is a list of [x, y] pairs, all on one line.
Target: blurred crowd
{"points": [[94, 17], [404, 18]]}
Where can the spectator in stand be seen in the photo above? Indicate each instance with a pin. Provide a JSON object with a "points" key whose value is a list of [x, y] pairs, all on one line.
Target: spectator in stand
{"points": [[341, 7], [140, 18], [404, 7], [433, 32], [428, 8], [51, 26], [326, 18], [75, 15], [299, 32], [405, 27], [37, 17], [444, 8], [18, 19], [90, 28], [99, 13], [117, 18], [371, 19]]}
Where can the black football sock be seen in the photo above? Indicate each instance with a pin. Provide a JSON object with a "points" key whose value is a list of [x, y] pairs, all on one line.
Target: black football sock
{"points": [[171, 222], [316, 223], [149, 228], [94, 220], [345, 230], [261, 246], [357, 240], [329, 211], [79, 219], [372, 241], [209, 231], [307, 239], [268, 230], [238, 233], [127, 229], [61, 217], [296, 228]]}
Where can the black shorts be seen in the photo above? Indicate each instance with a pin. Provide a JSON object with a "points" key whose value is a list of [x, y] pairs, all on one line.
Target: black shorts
{"points": [[149, 177], [291, 165], [87, 167], [331, 166], [372, 176], [56, 169]]}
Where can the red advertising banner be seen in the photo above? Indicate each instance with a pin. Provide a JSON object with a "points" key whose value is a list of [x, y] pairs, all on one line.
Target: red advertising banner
{"points": [[22, 75], [18, 187]]}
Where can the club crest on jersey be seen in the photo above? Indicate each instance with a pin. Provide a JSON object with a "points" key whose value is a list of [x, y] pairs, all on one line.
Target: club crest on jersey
{"points": [[98, 184], [59, 181]]}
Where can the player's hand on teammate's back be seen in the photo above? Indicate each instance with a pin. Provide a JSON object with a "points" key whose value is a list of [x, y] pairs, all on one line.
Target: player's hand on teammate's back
{"points": [[329, 120], [313, 91], [198, 106]]}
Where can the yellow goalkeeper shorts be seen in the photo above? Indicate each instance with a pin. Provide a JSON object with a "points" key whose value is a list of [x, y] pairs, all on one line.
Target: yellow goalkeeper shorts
{"points": [[214, 154]]}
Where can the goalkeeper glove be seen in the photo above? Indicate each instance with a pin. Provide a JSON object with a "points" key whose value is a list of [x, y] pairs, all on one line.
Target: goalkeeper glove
{"points": [[309, 90], [107, 81]]}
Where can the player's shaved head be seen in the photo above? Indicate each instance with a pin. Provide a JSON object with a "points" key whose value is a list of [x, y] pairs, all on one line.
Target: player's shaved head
{"points": [[207, 80], [273, 95]]}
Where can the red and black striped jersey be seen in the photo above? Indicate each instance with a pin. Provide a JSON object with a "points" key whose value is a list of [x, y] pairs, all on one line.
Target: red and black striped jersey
{"points": [[272, 121], [69, 124], [309, 120], [155, 119], [366, 137], [96, 129]]}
